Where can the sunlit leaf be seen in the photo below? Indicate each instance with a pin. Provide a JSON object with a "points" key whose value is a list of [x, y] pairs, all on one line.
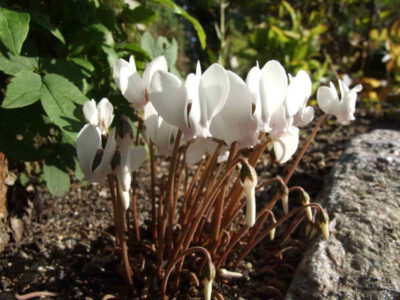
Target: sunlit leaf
{"points": [[23, 90], [14, 27], [57, 180], [12, 64]]}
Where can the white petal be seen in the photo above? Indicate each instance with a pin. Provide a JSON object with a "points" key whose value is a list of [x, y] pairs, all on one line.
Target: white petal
{"points": [[213, 93], [328, 100], [279, 122], [287, 145], [157, 64], [138, 155], [151, 121], [87, 144], [168, 96], [235, 122], [104, 167], [90, 112], [125, 197], [273, 87], [166, 138], [304, 116], [196, 150], [253, 83], [135, 92], [357, 88], [122, 71], [123, 171], [298, 92], [105, 110]]}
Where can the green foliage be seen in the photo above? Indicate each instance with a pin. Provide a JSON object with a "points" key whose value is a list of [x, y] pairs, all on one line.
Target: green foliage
{"points": [[54, 56]]}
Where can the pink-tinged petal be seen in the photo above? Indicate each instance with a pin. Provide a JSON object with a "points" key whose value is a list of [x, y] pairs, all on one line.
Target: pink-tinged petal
{"points": [[138, 155], [101, 172], [157, 64], [151, 121], [298, 92], [105, 110], [87, 144], [286, 145], [279, 122], [168, 96], [235, 122], [328, 100], [213, 93], [273, 88], [90, 112]]}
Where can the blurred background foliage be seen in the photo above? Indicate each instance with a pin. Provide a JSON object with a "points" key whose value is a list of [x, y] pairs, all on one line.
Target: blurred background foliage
{"points": [[54, 55]]}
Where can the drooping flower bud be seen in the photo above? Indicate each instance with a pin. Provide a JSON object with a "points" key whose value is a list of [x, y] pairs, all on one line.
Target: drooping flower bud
{"points": [[124, 133], [305, 200], [284, 193], [310, 230], [248, 179], [323, 223], [208, 276]]}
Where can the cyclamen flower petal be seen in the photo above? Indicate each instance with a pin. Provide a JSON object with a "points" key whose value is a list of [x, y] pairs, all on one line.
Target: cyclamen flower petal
{"points": [[343, 109], [286, 145], [101, 115], [235, 123], [132, 86], [168, 96], [298, 92], [160, 132], [253, 84], [198, 148], [213, 93], [304, 116], [87, 143], [273, 88], [137, 157]]}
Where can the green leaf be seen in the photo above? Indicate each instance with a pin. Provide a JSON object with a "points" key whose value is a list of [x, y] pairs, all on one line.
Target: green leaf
{"points": [[181, 12], [44, 21], [137, 51], [14, 27], [23, 90], [11, 64], [97, 34], [57, 97], [139, 14], [160, 46], [57, 180]]}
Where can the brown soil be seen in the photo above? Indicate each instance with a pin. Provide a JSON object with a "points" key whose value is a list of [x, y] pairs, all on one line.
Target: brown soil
{"points": [[67, 245]]}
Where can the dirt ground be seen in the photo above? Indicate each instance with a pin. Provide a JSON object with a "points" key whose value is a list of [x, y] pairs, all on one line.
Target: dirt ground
{"points": [[67, 245]]}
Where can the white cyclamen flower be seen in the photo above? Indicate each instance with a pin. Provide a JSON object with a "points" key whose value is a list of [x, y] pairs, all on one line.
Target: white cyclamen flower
{"points": [[93, 159], [134, 88], [235, 122], [343, 109], [206, 94], [159, 131], [99, 116]]}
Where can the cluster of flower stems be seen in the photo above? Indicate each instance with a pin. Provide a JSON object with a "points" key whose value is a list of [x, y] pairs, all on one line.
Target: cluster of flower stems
{"points": [[195, 215]]}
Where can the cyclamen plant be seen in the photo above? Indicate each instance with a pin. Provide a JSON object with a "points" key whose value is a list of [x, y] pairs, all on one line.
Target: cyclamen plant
{"points": [[213, 128]]}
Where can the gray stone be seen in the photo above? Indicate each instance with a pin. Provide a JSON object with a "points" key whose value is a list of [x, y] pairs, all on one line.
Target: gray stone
{"points": [[361, 260]]}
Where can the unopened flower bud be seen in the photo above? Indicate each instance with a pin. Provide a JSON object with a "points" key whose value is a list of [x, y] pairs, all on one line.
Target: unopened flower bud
{"points": [[305, 199], [248, 179], [97, 159], [310, 230], [323, 222], [284, 193], [272, 232], [208, 276]]}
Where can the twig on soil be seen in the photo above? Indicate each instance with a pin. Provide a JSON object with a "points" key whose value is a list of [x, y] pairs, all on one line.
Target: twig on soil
{"points": [[35, 295]]}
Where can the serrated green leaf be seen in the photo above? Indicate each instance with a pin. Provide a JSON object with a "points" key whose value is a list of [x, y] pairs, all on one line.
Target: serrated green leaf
{"points": [[181, 12], [11, 64], [139, 14], [14, 27], [23, 90], [58, 98], [57, 180]]}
